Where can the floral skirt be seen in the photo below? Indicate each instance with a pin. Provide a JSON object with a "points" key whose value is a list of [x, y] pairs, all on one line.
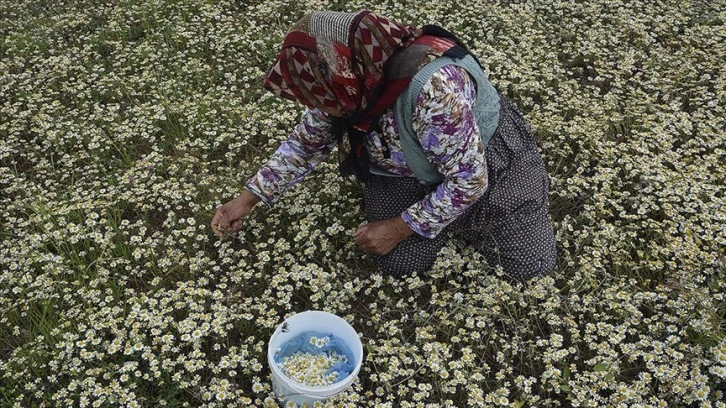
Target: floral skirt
{"points": [[509, 225]]}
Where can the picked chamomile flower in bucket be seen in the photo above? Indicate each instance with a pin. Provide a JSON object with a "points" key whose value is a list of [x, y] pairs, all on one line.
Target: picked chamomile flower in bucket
{"points": [[314, 359], [314, 369]]}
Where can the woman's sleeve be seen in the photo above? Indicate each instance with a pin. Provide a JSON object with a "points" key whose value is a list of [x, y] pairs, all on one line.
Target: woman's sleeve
{"points": [[308, 144], [445, 124]]}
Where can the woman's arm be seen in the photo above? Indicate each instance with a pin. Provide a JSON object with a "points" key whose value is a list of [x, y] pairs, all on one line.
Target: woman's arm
{"points": [[445, 124], [447, 129], [308, 144]]}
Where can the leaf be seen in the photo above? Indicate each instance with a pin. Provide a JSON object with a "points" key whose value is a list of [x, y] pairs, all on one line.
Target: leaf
{"points": [[370, 349], [602, 367], [565, 388]]}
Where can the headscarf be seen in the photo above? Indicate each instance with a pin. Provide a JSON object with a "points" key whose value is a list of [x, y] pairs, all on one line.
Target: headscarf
{"points": [[351, 62]]}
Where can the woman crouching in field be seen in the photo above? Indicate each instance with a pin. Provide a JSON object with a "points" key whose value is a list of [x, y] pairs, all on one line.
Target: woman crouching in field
{"points": [[442, 154]]}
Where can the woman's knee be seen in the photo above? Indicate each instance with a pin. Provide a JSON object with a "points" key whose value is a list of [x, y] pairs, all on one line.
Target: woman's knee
{"points": [[524, 246], [518, 270], [415, 254]]}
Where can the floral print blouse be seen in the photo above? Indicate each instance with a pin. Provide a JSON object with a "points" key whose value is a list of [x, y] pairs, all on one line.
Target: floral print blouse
{"points": [[444, 121]]}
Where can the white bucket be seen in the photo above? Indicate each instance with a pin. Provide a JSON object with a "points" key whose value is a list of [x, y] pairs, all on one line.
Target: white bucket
{"points": [[319, 321]]}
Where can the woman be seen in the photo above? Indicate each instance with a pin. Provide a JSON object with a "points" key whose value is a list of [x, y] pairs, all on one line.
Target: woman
{"points": [[441, 153]]}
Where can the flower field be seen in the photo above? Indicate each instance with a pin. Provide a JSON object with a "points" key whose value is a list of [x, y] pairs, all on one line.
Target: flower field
{"points": [[124, 124]]}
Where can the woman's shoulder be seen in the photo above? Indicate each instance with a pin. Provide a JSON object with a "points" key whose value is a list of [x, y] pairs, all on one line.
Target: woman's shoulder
{"points": [[447, 83]]}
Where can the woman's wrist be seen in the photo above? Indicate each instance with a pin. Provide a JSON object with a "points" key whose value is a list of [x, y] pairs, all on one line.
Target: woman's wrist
{"points": [[402, 229], [247, 199]]}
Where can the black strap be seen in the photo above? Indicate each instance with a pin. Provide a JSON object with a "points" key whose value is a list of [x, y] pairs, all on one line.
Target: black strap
{"points": [[458, 52]]}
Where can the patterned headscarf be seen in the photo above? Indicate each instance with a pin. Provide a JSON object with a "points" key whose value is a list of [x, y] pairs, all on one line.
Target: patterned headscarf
{"points": [[351, 62], [335, 59]]}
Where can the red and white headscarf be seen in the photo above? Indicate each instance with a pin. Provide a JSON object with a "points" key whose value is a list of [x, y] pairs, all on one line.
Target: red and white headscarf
{"points": [[338, 60], [335, 59]]}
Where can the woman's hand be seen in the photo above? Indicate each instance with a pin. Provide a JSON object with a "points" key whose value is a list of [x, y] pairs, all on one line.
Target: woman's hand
{"points": [[228, 217], [380, 237]]}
